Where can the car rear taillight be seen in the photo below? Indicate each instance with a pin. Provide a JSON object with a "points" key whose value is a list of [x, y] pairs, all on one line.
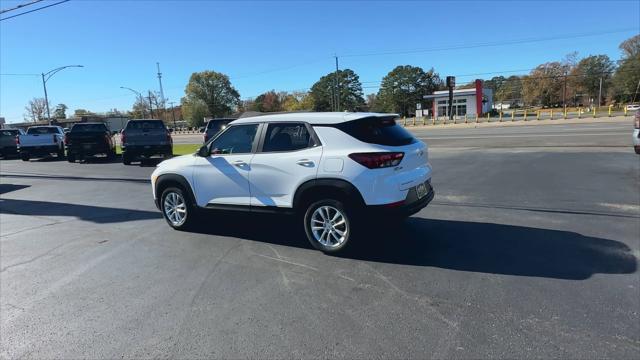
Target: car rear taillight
{"points": [[636, 123], [17, 139], [66, 139], [123, 137], [377, 160]]}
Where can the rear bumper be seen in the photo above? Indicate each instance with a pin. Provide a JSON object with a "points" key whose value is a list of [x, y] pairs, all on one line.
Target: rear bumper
{"points": [[9, 150], [91, 150], [408, 207], [147, 150], [39, 150]]}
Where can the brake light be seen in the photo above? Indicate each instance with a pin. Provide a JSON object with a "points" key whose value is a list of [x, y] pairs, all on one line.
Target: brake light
{"points": [[636, 123], [66, 139], [123, 137], [377, 160], [17, 139]]}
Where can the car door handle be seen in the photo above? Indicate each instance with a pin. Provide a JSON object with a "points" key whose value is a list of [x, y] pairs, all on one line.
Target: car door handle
{"points": [[305, 162], [239, 163]]}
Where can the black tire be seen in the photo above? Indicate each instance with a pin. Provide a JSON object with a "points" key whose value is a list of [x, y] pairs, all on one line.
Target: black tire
{"points": [[637, 149], [111, 154], [71, 158], [60, 154], [190, 210], [25, 157], [333, 240], [126, 159]]}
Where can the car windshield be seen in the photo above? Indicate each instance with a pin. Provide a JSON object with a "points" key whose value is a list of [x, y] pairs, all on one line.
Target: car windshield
{"points": [[42, 130], [145, 125], [88, 128]]}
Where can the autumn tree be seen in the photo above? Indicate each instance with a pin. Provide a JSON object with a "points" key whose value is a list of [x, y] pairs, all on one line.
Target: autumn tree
{"points": [[626, 80], [36, 109]]}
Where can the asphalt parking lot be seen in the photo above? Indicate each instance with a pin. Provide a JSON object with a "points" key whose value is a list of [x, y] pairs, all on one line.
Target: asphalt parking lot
{"points": [[530, 249]]}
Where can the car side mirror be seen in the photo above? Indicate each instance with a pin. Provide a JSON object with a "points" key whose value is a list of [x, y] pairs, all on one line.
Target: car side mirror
{"points": [[203, 151]]}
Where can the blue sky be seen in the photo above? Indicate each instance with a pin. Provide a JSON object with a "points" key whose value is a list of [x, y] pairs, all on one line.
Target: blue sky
{"points": [[282, 45]]}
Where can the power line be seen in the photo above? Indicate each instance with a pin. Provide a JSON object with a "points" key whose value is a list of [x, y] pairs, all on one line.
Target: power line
{"points": [[16, 74], [30, 11], [489, 44], [19, 6]]}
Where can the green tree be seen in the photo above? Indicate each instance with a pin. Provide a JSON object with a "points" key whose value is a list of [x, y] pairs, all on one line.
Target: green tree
{"points": [[60, 111], [403, 87], [214, 90], [194, 112], [626, 80], [82, 112], [586, 75], [350, 91]]}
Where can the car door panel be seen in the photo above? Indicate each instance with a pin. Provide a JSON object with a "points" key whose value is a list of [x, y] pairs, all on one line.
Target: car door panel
{"points": [[223, 176]]}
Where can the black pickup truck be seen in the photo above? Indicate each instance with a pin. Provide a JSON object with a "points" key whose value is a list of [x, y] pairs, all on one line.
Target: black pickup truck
{"points": [[89, 139], [144, 139]]}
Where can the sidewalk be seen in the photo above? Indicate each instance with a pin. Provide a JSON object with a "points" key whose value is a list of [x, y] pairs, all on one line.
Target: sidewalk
{"points": [[530, 122]]}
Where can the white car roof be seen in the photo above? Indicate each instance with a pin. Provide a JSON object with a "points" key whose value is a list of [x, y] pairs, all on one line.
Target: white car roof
{"points": [[313, 118]]}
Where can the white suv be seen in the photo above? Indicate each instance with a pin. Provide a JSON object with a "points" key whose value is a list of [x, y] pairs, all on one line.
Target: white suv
{"points": [[336, 169]]}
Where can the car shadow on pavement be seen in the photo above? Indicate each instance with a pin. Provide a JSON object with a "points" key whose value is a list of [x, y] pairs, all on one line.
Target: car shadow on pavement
{"points": [[6, 188], [95, 214], [455, 245]]}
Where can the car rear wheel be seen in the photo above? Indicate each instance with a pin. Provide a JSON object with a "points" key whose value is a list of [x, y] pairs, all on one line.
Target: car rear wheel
{"points": [[126, 159], [60, 153], [25, 157], [71, 158], [177, 208], [328, 225]]}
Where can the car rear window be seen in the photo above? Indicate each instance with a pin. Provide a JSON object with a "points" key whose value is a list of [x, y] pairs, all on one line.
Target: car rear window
{"points": [[42, 130], [145, 125], [11, 133], [217, 124], [89, 128], [376, 130]]}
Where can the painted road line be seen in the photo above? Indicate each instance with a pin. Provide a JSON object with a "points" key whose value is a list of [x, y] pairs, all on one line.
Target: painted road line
{"points": [[516, 136]]}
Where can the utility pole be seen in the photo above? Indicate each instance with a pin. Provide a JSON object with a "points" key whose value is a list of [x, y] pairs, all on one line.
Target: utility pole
{"points": [[46, 98], [150, 105], [564, 93], [600, 92], [173, 111], [636, 93], [160, 82], [337, 86]]}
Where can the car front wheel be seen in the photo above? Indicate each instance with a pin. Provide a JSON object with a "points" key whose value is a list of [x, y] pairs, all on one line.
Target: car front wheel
{"points": [[176, 208], [328, 225]]}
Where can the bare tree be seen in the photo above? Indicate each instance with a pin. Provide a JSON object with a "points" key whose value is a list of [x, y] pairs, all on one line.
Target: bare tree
{"points": [[36, 109]]}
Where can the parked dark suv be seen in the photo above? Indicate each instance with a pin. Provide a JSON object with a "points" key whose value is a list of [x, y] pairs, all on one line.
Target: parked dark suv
{"points": [[89, 139], [144, 139], [214, 126], [8, 144]]}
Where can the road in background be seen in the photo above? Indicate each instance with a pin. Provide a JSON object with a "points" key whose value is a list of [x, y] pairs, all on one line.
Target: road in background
{"points": [[529, 249]]}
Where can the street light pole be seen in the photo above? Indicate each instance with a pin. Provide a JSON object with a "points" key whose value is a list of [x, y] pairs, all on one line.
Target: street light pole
{"points": [[45, 77], [144, 116]]}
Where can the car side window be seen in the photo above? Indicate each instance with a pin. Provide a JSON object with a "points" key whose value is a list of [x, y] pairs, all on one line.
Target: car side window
{"points": [[235, 140], [287, 137]]}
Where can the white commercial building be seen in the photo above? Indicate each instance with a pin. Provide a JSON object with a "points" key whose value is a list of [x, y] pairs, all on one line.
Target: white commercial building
{"points": [[465, 101]]}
